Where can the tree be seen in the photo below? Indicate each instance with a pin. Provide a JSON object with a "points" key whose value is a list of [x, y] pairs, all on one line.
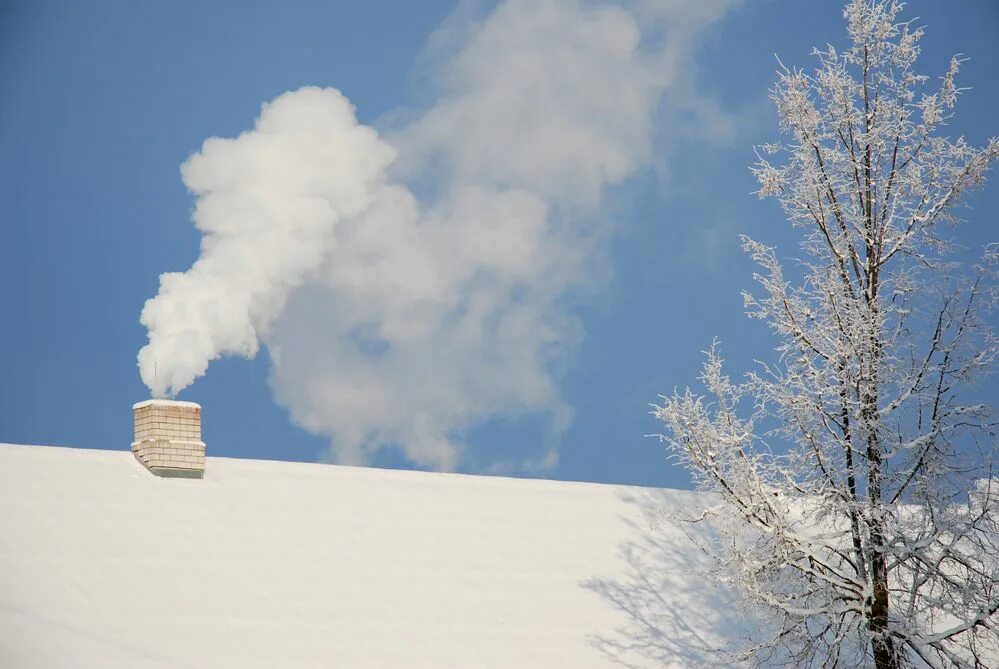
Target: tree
{"points": [[843, 469]]}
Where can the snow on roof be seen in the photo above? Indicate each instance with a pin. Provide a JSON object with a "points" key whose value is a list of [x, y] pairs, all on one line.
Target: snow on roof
{"points": [[264, 564], [165, 403]]}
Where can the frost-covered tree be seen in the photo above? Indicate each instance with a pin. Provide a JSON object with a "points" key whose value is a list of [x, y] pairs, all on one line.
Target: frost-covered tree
{"points": [[857, 499]]}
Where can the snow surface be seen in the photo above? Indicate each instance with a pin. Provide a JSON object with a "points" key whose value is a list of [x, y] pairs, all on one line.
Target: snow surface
{"points": [[268, 564], [166, 403]]}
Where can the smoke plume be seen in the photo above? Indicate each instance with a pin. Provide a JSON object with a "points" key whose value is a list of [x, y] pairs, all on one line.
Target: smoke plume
{"points": [[267, 204], [405, 301]]}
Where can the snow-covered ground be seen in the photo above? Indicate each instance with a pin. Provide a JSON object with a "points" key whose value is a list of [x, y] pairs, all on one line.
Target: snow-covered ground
{"points": [[275, 564]]}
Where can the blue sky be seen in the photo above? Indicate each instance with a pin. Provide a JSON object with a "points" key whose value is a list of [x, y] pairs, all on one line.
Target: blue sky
{"points": [[100, 104]]}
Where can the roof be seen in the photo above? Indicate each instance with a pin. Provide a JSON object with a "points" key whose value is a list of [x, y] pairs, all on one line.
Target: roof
{"points": [[264, 564]]}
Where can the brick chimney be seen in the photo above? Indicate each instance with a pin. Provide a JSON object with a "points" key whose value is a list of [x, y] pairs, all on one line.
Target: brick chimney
{"points": [[168, 438]]}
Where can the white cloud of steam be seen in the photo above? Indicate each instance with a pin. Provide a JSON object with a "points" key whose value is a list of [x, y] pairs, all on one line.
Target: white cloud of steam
{"points": [[267, 203], [404, 305]]}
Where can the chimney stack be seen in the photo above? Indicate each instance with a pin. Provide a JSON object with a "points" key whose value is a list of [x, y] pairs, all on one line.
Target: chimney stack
{"points": [[168, 438]]}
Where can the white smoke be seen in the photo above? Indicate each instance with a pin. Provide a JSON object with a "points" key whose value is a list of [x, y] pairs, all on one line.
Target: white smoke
{"points": [[267, 203], [397, 320]]}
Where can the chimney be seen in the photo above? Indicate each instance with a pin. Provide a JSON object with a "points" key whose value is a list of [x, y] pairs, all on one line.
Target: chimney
{"points": [[168, 438]]}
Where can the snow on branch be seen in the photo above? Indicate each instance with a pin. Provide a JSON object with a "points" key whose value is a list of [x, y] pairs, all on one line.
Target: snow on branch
{"points": [[857, 470]]}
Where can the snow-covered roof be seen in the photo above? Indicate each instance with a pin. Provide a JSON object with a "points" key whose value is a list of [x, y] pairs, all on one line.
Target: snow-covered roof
{"points": [[266, 564]]}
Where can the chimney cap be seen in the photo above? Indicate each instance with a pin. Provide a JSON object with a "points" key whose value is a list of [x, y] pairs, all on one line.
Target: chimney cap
{"points": [[166, 403]]}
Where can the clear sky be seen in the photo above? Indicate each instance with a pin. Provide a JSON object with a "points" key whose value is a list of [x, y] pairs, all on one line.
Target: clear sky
{"points": [[616, 139]]}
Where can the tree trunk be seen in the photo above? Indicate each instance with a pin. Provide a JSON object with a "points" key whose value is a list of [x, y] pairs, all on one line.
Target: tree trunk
{"points": [[885, 648]]}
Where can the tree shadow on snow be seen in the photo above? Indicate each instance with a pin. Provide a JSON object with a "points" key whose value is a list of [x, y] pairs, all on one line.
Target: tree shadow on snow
{"points": [[671, 612]]}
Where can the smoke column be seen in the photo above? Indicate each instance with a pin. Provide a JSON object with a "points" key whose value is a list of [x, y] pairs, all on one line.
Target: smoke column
{"points": [[403, 302], [267, 204]]}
